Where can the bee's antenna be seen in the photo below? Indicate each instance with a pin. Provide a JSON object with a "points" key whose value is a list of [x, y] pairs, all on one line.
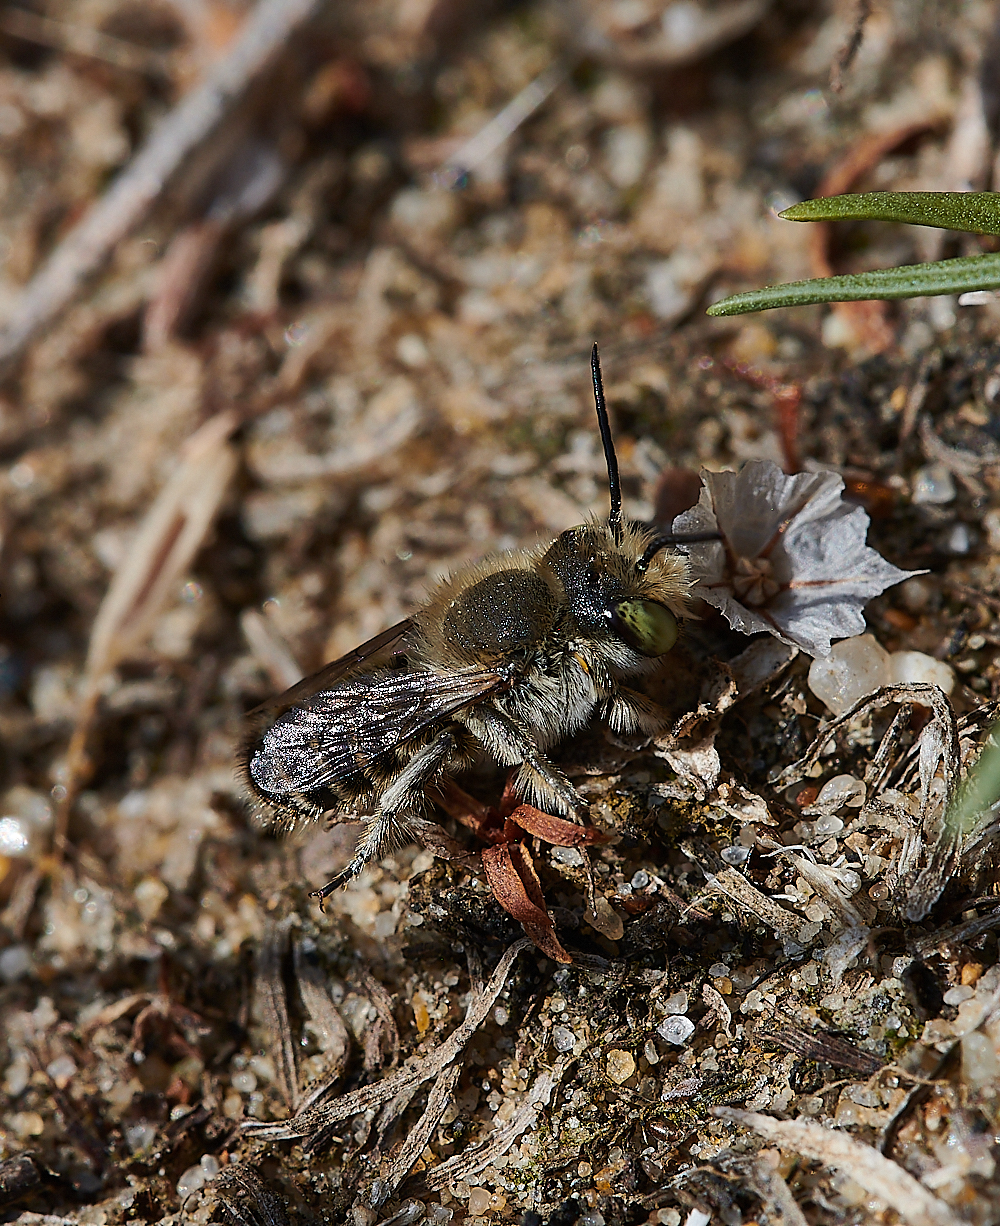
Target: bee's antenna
{"points": [[666, 539], [614, 482]]}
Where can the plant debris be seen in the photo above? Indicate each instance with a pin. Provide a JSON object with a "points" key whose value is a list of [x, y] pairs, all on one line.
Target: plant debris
{"points": [[256, 404]]}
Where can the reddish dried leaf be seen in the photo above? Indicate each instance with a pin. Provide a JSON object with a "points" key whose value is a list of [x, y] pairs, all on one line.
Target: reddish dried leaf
{"points": [[511, 877], [457, 803], [555, 830]]}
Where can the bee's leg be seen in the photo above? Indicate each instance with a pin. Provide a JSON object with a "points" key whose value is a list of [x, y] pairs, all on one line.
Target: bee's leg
{"points": [[629, 711], [537, 779], [388, 827]]}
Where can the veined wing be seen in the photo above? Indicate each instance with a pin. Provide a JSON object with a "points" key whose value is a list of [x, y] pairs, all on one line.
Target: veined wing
{"points": [[341, 732], [331, 673]]}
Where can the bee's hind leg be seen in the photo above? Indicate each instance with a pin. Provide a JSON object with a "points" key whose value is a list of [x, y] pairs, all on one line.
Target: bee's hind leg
{"points": [[390, 825]]}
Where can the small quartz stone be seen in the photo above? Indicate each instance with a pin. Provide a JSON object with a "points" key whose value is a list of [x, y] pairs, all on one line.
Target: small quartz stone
{"points": [[980, 1066], [841, 790], [606, 920], [933, 484], [620, 1066], [854, 668], [479, 1202], [915, 667], [563, 1039], [676, 1030]]}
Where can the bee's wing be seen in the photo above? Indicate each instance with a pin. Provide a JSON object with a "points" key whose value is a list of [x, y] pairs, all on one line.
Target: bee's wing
{"points": [[331, 673], [343, 732]]}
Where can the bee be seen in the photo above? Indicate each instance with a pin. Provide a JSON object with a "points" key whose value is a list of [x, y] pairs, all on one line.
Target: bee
{"points": [[508, 656]]}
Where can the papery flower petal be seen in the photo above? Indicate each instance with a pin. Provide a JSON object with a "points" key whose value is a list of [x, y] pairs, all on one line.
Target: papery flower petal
{"points": [[808, 545]]}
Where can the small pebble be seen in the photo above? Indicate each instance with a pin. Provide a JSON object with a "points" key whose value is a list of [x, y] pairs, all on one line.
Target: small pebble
{"points": [[676, 1030], [980, 1066], [140, 1136], [620, 1066], [854, 668], [15, 961], [677, 1003], [192, 1179], [912, 667], [606, 920], [933, 484], [479, 1202], [845, 789], [563, 1039]]}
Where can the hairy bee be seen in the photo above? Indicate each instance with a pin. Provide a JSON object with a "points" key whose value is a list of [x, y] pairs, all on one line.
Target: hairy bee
{"points": [[510, 655]]}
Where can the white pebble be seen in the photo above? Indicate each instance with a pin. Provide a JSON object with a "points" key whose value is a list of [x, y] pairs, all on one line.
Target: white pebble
{"points": [[563, 1039], [991, 525], [192, 1179], [959, 539], [844, 790], [15, 961], [913, 666], [980, 1066], [677, 1003], [140, 1136], [933, 484], [210, 1165], [425, 213], [676, 1030], [854, 668], [61, 1070]]}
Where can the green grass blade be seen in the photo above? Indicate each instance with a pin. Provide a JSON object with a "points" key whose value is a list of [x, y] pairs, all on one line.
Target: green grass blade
{"points": [[978, 792], [911, 281], [973, 212]]}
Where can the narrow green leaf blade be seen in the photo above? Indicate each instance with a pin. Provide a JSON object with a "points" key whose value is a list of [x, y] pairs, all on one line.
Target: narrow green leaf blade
{"points": [[973, 212], [910, 281]]}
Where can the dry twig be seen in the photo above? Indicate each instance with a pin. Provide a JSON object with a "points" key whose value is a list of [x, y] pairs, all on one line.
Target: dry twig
{"points": [[880, 1176], [314, 1124], [86, 247]]}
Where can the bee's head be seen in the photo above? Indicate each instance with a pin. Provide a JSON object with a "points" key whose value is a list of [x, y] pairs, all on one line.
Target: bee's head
{"points": [[614, 593], [619, 583]]}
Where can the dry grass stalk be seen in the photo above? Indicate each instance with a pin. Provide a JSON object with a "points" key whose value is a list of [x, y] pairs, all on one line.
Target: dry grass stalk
{"points": [[478, 1157], [327, 1024], [315, 1123], [381, 1189], [246, 1199], [866, 1166], [270, 986], [270, 650], [774, 1192], [86, 247], [79, 39], [165, 544]]}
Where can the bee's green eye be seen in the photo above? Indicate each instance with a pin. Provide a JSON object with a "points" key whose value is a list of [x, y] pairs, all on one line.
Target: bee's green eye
{"points": [[648, 627]]}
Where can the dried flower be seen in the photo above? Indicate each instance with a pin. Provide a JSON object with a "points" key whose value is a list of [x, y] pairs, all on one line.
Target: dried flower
{"points": [[792, 559]]}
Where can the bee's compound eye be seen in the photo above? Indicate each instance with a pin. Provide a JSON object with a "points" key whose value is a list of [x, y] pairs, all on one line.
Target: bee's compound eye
{"points": [[648, 627]]}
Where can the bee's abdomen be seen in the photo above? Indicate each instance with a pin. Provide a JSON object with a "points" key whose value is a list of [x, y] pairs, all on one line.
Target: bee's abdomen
{"points": [[510, 610]]}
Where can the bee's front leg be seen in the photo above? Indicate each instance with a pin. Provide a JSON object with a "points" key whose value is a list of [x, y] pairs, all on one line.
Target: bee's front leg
{"points": [[389, 826], [629, 711], [538, 780]]}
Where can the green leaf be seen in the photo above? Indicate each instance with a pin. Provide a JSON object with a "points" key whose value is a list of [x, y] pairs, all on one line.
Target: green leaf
{"points": [[974, 212], [978, 792], [911, 281]]}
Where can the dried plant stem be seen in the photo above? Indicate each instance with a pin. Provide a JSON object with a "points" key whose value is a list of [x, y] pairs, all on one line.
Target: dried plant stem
{"points": [[877, 1174], [79, 39], [164, 546], [851, 48], [196, 116], [314, 1124]]}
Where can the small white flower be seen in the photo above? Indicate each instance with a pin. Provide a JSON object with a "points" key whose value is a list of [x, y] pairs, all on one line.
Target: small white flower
{"points": [[792, 559]]}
